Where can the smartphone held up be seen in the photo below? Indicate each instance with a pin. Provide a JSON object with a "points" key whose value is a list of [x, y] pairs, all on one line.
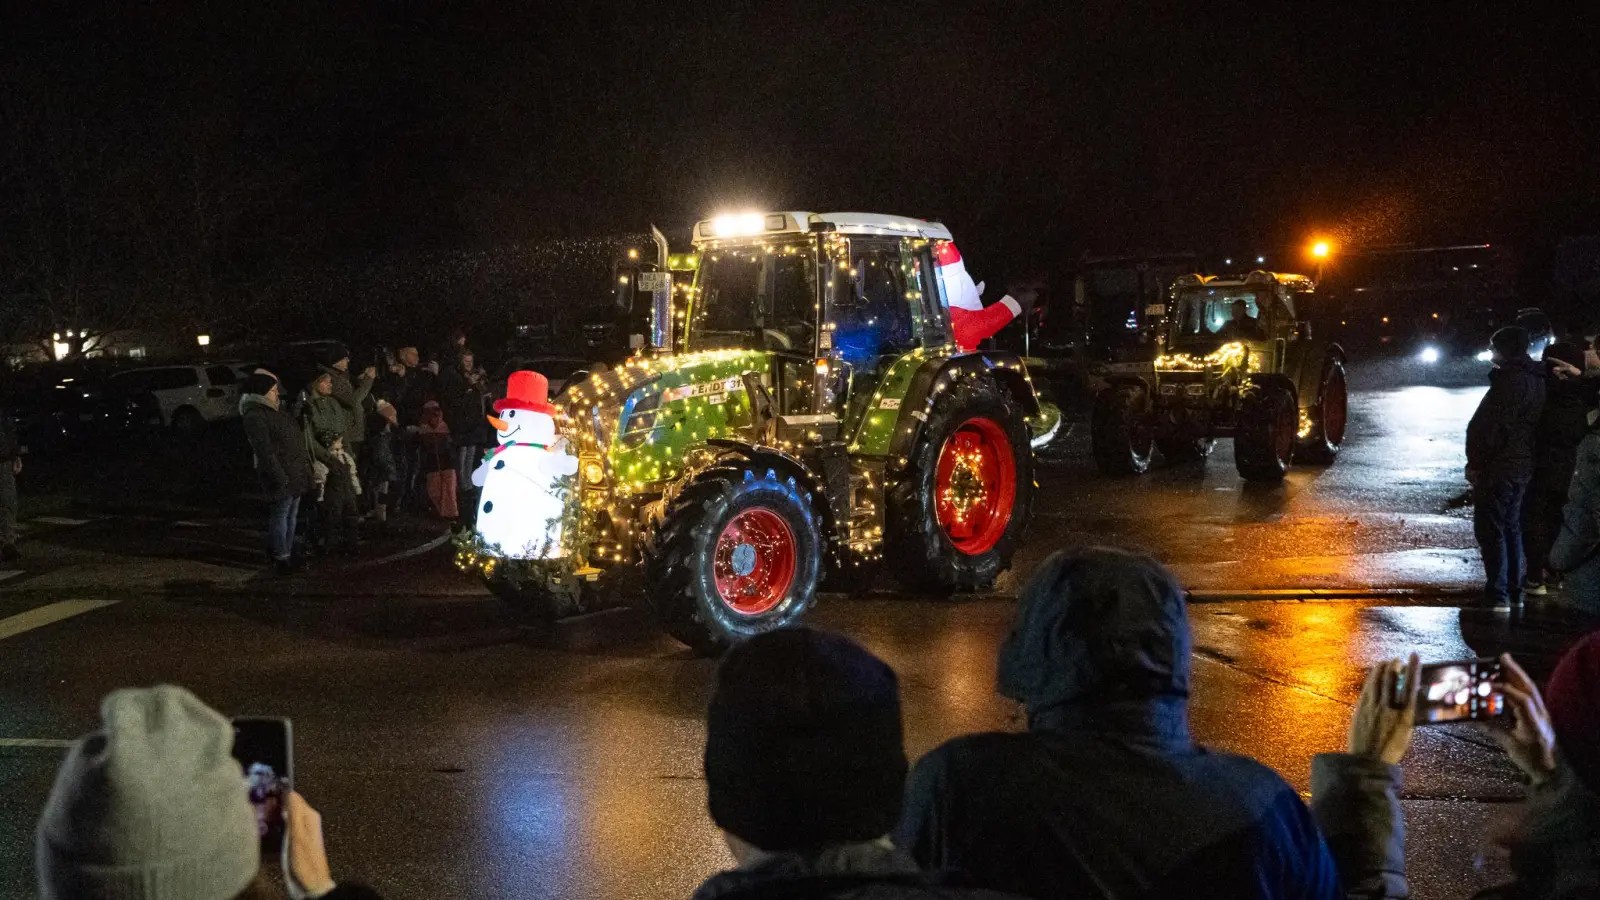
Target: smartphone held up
{"points": [[264, 748], [1463, 690]]}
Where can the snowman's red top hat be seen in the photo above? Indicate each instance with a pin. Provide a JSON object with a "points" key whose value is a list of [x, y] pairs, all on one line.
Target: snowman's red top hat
{"points": [[526, 390]]}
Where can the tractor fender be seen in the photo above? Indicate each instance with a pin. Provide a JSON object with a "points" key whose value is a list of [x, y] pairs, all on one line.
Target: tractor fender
{"points": [[936, 374], [830, 509], [1303, 364]]}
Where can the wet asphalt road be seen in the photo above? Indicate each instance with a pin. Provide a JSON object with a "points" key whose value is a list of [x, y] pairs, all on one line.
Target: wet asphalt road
{"points": [[454, 754]]}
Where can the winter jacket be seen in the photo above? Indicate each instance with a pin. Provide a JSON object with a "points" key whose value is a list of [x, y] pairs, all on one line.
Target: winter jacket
{"points": [[1562, 425], [462, 404], [855, 872], [1577, 547], [1106, 795], [353, 398], [1357, 804], [279, 445], [1500, 436], [321, 413]]}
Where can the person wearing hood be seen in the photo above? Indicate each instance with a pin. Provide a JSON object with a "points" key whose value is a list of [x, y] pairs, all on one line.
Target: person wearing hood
{"points": [[282, 460], [1106, 795], [1553, 847], [1576, 552], [804, 766], [1500, 462], [1563, 423]]}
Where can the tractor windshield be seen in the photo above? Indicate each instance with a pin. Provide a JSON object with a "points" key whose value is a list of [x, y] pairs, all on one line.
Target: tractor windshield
{"points": [[755, 298], [1205, 315]]}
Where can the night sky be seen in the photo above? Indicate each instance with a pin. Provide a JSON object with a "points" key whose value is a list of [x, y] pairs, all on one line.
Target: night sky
{"points": [[1034, 129]]}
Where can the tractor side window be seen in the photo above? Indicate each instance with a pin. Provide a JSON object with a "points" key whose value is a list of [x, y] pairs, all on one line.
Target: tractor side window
{"points": [[871, 314], [933, 317]]}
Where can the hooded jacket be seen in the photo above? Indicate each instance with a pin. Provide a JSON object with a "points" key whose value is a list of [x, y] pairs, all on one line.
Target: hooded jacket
{"points": [[1106, 795], [282, 459], [1577, 547], [1501, 434]]}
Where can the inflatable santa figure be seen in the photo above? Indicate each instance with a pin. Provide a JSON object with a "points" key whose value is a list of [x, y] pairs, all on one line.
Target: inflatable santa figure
{"points": [[969, 319], [524, 504]]}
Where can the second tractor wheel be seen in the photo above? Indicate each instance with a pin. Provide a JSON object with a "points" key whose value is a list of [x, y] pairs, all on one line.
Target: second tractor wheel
{"points": [[1328, 417], [737, 552], [1120, 430], [1263, 442], [957, 518]]}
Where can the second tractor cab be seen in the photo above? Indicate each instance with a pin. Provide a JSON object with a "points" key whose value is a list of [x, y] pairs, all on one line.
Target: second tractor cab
{"points": [[807, 416], [1238, 359]]}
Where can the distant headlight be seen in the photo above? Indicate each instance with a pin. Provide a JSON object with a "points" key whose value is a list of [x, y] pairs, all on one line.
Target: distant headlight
{"points": [[1429, 354], [1485, 356]]}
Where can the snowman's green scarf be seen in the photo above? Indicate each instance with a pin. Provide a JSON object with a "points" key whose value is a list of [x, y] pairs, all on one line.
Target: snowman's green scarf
{"points": [[491, 454]]}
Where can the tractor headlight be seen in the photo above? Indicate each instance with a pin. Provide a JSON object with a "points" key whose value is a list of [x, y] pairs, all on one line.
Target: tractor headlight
{"points": [[1485, 356], [1429, 355]]}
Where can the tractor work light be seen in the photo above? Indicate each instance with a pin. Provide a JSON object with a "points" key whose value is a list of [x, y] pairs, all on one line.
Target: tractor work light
{"points": [[738, 225]]}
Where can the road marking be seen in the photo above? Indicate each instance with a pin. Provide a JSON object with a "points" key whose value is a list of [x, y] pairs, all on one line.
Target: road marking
{"points": [[48, 615], [36, 742], [11, 573], [60, 520]]}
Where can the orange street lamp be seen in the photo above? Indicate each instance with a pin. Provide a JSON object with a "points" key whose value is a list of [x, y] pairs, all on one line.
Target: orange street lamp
{"points": [[1320, 249]]}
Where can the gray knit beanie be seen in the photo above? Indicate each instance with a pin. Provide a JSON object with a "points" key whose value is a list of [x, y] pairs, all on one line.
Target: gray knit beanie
{"points": [[151, 806]]}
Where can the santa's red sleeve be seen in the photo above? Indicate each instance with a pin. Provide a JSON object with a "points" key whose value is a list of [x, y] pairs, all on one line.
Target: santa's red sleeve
{"points": [[973, 326]]}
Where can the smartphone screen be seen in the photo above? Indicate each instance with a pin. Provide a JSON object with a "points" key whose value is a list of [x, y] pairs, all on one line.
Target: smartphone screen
{"points": [[265, 751], [1454, 691]]}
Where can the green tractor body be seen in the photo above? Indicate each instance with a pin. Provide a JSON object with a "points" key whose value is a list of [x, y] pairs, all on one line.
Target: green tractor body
{"points": [[807, 417], [1239, 360]]}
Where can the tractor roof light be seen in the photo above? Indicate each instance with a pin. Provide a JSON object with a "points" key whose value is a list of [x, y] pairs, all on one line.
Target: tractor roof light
{"points": [[738, 225]]}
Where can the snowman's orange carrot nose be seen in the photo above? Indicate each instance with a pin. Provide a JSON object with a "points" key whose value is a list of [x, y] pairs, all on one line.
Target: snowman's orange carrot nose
{"points": [[499, 423]]}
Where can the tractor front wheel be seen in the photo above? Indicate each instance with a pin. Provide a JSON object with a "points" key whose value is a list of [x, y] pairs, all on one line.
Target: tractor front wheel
{"points": [[959, 513], [737, 552], [1263, 443], [1328, 417]]}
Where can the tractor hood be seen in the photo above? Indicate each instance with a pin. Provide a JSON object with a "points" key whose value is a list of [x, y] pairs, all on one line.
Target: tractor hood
{"points": [[642, 418]]}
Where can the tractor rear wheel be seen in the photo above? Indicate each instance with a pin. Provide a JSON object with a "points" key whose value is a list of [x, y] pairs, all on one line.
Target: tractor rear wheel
{"points": [[958, 515], [1263, 443], [1120, 430], [1328, 417], [737, 552]]}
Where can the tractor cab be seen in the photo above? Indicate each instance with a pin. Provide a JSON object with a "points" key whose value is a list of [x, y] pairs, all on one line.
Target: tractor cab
{"points": [[1258, 313]]}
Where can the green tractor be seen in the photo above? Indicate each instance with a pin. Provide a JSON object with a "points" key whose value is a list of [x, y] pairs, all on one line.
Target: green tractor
{"points": [[1238, 359], [803, 417]]}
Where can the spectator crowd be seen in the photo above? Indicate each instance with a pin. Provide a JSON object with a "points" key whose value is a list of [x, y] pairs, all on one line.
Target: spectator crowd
{"points": [[1105, 794], [341, 456], [1533, 461]]}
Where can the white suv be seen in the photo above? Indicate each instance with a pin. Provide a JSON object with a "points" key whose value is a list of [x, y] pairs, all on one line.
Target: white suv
{"points": [[189, 396]]}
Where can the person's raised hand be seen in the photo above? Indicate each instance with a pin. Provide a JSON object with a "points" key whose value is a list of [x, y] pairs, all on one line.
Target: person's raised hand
{"points": [[1531, 739], [1382, 726], [305, 859], [369, 372]]}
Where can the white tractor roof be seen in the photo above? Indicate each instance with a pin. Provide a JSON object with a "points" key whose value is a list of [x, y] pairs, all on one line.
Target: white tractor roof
{"points": [[762, 224]]}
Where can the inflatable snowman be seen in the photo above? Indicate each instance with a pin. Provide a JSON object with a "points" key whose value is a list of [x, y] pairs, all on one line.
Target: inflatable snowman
{"points": [[524, 502], [970, 321]]}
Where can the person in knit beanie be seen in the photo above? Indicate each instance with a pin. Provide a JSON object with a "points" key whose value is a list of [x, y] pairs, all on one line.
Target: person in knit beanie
{"points": [[805, 767], [153, 806], [1573, 699]]}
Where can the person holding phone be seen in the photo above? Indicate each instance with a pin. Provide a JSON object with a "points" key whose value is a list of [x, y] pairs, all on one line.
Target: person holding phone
{"points": [[154, 806], [1554, 851]]}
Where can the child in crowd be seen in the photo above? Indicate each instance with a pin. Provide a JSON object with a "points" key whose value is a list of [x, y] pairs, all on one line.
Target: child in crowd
{"points": [[438, 461], [338, 486]]}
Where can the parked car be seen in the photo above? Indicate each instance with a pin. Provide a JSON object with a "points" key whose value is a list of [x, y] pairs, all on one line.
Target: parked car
{"points": [[60, 408], [189, 396]]}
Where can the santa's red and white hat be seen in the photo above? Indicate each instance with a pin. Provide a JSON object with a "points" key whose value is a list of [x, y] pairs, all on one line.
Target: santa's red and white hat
{"points": [[526, 390]]}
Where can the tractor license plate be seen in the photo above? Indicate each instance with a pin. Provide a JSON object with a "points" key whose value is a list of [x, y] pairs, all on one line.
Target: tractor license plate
{"points": [[1197, 390]]}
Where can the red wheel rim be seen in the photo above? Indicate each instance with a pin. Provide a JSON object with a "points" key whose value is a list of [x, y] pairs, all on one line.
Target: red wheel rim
{"points": [[976, 487], [1333, 410], [753, 563]]}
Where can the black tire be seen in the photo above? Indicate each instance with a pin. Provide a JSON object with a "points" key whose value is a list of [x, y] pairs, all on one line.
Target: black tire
{"points": [[1329, 417], [1263, 443], [1120, 430], [921, 553], [680, 584], [1181, 450], [187, 423]]}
